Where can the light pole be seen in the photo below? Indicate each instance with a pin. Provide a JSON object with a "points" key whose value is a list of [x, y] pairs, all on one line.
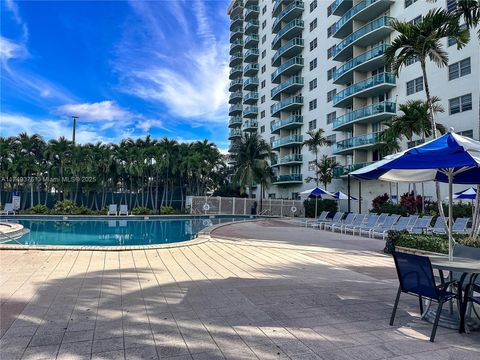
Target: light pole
{"points": [[74, 117]]}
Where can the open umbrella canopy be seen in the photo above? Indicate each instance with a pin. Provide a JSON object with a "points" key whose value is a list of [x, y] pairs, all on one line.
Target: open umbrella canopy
{"points": [[342, 196], [317, 193], [467, 194]]}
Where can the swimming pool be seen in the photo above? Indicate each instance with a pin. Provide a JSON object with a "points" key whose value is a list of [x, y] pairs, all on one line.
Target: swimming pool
{"points": [[114, 231]]}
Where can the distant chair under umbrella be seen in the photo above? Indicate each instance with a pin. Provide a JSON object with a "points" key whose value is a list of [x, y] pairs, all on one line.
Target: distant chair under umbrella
{"points": [[467, 194], [317, 193]]}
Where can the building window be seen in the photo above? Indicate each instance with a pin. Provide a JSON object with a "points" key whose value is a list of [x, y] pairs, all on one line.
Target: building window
{"points": [[311, 165], [264, 38], [332, 138], [264, 53], [313, 5], [262, 114], [416, 20], [313, 24], [414, 85], [312, 84], [331, 94], [264, 24], [330, 31], [312, 105], [312, 125], [262, 99], [262, 84], [466, 133], [459, 69], [262, 128], [409, 2], [264, 10], [330, 52], [313, 64], [451, 40], [331, 117], [460, 104], [264, 68], [313, 44], [411, 60], [330, 72], [451, 5]]}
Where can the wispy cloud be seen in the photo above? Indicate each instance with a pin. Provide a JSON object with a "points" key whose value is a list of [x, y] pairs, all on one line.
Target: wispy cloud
{"points": [[11, 50], [100, 111]]}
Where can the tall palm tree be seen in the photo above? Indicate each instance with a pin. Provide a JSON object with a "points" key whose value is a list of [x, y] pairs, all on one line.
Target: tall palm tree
{"points": [[251, 154], [325, 170], [315, 143], [469, 11], [421, 41]]}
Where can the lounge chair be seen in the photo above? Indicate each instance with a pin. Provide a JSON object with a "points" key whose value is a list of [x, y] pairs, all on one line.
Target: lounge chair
{"points": [[8, 208], [338, 224], [421, 225], [359, 219], [458, 227], [123, 210], [321, 217], [112, 209], [411, 220], [438, 227], [368, 225], [385, 227], [401, 224], [336, 218]]}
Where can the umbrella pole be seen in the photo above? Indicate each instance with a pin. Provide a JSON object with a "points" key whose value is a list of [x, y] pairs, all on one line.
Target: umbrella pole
{"points": [[316, 202], [450, 215]]}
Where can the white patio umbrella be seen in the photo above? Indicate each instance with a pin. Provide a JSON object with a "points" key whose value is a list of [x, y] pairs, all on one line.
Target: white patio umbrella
{"points": [[450, 158]]}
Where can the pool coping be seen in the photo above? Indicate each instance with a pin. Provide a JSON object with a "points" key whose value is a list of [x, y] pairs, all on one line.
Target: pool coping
{"points": [[202, 237]]}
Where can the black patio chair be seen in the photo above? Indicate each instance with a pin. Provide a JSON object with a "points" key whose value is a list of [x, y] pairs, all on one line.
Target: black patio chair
{"points": [[415, 275]]}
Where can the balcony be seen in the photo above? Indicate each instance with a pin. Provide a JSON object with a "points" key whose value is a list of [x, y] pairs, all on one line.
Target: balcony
{"points": [[345, 170], [367, 141], [363, 11], [372, 86], [250, 125], [236, 71], [236, 22], [251, 55], [288, 179], [251, 27], [235, 85], [370, 33], [237, 9], [288, 123], [234, 134], [235, 110], [250, 2], [292, 29], [293, 10], [339, 7], [292, 159], [250, 69], [289, 67], [367, 114], [236, 59], [235, 97], [291, 48], [250, 83], [250, 112], [236, 46], [289, 86], [277, 7], [287, 141], [235, 121], [251, 41], [372, 59], [251, 98], [236, 34], [251, 12], [289, 104]]}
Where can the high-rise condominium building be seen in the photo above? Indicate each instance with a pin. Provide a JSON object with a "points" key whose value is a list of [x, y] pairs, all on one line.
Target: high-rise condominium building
{"points": [[303, 65]]}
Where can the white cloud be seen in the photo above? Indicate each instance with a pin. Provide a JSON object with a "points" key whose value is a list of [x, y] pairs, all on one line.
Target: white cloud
{"points": [[147, 124], [99, 111], [11, 50]]}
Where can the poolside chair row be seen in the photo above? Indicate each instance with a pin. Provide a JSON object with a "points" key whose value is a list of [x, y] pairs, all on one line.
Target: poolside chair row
{"points": [[113, 210], [8, 209]]}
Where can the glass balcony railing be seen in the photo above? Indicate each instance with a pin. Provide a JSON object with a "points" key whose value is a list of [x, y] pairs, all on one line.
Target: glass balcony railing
{"points": [[251, 26], [250, 125], [292, 158], [236, 59], [251, 12], [344, 170], [250, 111], [367, 111], [236, 21], [294, 64], [235, 121], [277, 6], [237, 83], [350, 13], [250, 82], [292, 9], [235, 95], [291, 121], [295, 43], [360, 59], [296, 23], [251, 96], [288, 178], [294, 81], [234, 133], [250, 69], [339, 6], [250, 55], [236, 33], [287, 140], [384, 78], [286, 104], [371, 26], [251, 41], [235, 109], [236, 70], [357, 141]]}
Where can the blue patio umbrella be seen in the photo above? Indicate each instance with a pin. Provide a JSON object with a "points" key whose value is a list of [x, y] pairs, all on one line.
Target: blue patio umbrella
{"points": [[342, 196], [450, 158], [317, 193], [467, 194]]}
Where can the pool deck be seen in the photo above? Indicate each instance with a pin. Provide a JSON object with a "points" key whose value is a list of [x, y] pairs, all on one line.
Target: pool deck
{"points": [[255, 290]]}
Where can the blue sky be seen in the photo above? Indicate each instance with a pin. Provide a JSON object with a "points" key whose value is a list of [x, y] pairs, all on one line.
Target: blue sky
{"points": [[127, 69]]}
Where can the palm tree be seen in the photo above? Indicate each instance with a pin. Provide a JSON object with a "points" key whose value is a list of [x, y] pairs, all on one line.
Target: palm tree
{"points": [[251, 154], [421, 41], [316, 141], [469, 11], [324, 170]]}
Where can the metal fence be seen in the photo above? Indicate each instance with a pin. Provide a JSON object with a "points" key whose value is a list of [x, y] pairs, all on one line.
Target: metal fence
{"points": [[243, 206]]}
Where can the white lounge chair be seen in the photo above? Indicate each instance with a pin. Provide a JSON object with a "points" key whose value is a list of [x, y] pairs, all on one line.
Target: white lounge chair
{"points": [[421, 225], [369, 224], [338, 224], [401, 224], [385, 227], [319, 219], [112, 210], [356, 223], [336, 218], [8, 208], [458, 227], [123, 210]]}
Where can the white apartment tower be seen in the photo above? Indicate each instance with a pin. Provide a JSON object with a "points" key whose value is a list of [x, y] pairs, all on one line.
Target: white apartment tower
{"points": [[302, 65]]}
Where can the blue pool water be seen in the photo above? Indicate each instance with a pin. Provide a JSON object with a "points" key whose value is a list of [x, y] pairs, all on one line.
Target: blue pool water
{"points": [[114, 232]]}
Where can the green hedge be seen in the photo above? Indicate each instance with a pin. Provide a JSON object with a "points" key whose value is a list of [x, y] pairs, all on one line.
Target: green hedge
{"points": [[431, 242], [322, 205]]}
